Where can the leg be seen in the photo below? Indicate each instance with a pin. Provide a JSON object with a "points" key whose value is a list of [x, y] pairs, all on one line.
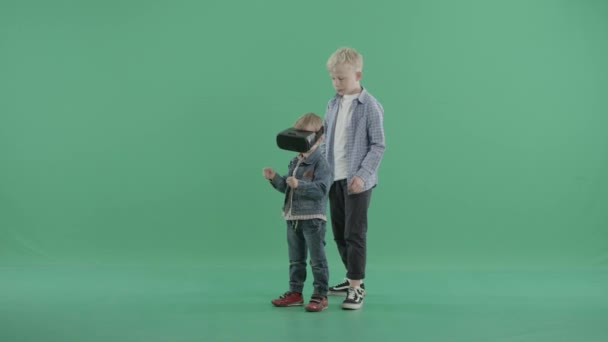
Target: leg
{"points": [[355, 235], [314, 233], [356, 240], [297, 256], [337, 196]]}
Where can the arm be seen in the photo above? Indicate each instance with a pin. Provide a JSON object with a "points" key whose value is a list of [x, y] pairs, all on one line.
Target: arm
{"points": [[278, 182], [375, 132]]}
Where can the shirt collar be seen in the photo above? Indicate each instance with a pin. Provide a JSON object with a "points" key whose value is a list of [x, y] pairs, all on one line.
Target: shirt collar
{"points": [[363, 96]]}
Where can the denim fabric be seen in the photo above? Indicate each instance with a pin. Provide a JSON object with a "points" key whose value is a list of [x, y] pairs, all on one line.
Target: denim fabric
{"points": [[314, 179], [303, 235]]}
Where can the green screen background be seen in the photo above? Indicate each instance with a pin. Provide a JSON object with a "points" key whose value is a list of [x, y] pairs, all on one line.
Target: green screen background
{"points": [[135, 132]]}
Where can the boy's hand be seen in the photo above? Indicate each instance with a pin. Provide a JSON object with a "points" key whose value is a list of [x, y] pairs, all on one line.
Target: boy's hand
{"points": [[292, 182], [268, 173], [355, 185]]}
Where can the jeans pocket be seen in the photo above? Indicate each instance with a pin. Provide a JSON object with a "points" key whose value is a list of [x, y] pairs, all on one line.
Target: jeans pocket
{"points": [[317, 224]]}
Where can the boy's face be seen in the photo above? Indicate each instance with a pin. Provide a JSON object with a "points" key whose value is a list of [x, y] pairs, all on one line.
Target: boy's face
{"points": [[345, 79]]}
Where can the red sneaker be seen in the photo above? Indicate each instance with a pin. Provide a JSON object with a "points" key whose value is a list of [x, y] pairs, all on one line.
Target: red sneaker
{"points": [[289, 299], [317, 303]]}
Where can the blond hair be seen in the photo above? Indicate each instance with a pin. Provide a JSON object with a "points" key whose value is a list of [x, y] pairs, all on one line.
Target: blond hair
{"points": [[309, 121], [345, 56]]}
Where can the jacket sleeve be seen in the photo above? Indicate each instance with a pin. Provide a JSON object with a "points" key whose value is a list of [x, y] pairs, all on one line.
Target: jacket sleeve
{"points": [[278, 182]]}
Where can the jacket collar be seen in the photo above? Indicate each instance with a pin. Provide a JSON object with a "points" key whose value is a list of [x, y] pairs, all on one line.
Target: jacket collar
{"points": [[311, 158]]}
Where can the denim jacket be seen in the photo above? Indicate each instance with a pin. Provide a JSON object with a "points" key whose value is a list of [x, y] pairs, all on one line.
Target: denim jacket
{"points": [[314, 179]]}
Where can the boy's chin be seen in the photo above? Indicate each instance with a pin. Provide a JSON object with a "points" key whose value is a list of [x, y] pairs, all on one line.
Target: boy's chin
{"points": [[343, 92]]}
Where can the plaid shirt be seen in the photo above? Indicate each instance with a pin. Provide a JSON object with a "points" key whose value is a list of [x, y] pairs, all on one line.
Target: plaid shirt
{"points": [[364, 138]]}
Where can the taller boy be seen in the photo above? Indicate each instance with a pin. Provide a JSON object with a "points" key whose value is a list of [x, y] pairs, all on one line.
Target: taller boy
{"points": [[354, 147]]}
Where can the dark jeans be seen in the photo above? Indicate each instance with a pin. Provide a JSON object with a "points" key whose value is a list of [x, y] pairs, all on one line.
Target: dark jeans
{"points": [[349, 225], [303, 235]]}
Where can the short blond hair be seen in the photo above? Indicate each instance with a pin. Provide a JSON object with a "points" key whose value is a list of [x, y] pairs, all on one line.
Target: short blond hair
{"points": [[345, 56], [309, 121]]}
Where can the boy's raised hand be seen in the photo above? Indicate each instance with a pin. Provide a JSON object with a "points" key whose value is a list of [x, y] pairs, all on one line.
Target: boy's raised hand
{"points": [[268, 173], [292, 182]]}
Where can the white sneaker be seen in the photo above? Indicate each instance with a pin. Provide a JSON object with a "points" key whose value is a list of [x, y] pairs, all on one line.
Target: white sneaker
{"points": [[354, 298]]}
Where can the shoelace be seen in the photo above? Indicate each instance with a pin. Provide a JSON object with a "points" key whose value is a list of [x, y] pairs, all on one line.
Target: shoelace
{"points": [[352, 294]]}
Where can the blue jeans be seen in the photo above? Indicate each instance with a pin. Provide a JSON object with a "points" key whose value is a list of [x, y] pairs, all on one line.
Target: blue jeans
{"points": [[303, 235]]}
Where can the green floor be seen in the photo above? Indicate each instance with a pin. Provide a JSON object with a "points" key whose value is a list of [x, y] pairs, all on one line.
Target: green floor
{"points": [[231, 303]]}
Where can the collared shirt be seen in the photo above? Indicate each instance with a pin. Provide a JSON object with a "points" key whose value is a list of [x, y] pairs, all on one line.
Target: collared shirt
{"points": [[364, 137]]}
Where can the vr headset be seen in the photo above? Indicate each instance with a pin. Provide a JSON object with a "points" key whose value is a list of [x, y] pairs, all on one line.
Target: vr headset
{"points": [[298, 140]]}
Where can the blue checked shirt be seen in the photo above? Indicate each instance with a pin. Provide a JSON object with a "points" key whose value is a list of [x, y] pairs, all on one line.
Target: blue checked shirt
{"points": [[364, 138]]}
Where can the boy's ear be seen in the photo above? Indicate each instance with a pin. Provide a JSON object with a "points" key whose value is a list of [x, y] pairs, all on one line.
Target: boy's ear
{"points": [[358, 74]]}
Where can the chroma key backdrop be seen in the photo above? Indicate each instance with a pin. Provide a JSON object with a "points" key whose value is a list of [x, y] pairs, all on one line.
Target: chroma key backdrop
{"points": [[133, 135]]}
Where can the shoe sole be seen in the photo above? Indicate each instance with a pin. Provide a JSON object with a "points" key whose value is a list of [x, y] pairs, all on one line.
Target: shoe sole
{"points": [[352, 306], [337, 293], [315, 310], [288, 305]]}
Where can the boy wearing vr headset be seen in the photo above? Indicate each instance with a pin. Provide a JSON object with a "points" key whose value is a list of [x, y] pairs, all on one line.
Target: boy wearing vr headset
{"points": [[306, 186]]}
